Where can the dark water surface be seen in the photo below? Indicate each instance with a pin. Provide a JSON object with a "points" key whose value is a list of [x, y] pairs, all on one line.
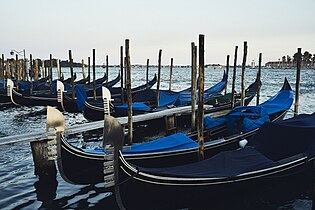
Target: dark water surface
{"points": [[21, 189]]}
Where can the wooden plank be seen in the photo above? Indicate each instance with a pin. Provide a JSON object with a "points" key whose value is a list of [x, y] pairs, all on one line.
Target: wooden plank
{"points": [[41, 135]]}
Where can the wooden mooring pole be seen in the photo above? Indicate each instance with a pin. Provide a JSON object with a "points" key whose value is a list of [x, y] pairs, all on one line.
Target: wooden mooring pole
{"points": [[89, 69], [234, 77], [128, 67], [193, 85], [258, 77], [1, 67], [31, 74], [59, 68], [159, 79], [50, 73], [43, 68], [36, 73], [200, 98], [122, 74], [243, 74], [72, 74], [147, 73], [83, 73], [17, 71], [227, 72], [43, 166], [297, 83], [107, 70], [171, 72], [94, 82]]}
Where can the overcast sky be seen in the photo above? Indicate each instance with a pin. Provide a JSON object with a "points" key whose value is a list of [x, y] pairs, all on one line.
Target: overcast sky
{"points": [[42, 27]]}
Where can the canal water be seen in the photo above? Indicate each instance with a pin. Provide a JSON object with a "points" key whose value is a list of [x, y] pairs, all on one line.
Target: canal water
{"points": [[21, 189]]}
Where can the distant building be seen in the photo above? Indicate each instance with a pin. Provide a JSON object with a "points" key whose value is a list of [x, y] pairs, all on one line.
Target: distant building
{"points": [[279, 64]]}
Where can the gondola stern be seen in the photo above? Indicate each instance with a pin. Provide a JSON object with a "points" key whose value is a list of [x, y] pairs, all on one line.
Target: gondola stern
{"points": [[113, 134]]}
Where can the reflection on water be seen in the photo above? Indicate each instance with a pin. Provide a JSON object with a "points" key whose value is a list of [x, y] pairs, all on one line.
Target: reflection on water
{"points": [[21, 189]]}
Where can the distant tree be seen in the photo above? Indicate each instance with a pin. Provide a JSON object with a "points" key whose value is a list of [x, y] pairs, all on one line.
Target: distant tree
{"points": [[306, 58], [289, 59], [295, 57], [313, 60], [283, 60]]}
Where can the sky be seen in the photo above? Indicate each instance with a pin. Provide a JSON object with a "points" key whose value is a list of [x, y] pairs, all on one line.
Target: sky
{"points": [[271, 27]]}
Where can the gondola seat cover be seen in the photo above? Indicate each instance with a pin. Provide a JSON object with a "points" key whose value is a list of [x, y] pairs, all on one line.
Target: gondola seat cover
{"points": [[81, 97], [246, 118], [224, 164], [273, 142], [286, 138], [173, 142], [138, 106]]}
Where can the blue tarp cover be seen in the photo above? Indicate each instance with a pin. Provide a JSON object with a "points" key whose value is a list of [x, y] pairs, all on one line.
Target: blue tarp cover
{"points": [[139, 106], [183, 98], [224, 164], [273, 142], [285, 138], [81, 97], [246, 118], [173, 142]]}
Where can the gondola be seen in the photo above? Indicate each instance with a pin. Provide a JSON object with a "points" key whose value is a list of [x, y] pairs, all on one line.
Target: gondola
{"points": [[280, 153], [37, 98], [84, 166], [73, 105], [41, 95], [5, 100], [94, 109], [144, 101]]}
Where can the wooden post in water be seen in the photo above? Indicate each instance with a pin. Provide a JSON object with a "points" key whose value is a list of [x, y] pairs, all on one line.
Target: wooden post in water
{"points": [[125, 69], [147, 73], [31, 74], [7, 69], [17, 71], [89, 69], [159, 80], [129, 96], [59, 68], [234, 77], [72, 74], [107, 70], [258, 77], [193, 85], [297, 83], [1, 67], [43, 166], [94, 75], [227, 72], [243, 74], [122, 74], [200, 98], [36, 73], [50, 73], [83, 73], [171, 72], [43, 68], [20, 76]]}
